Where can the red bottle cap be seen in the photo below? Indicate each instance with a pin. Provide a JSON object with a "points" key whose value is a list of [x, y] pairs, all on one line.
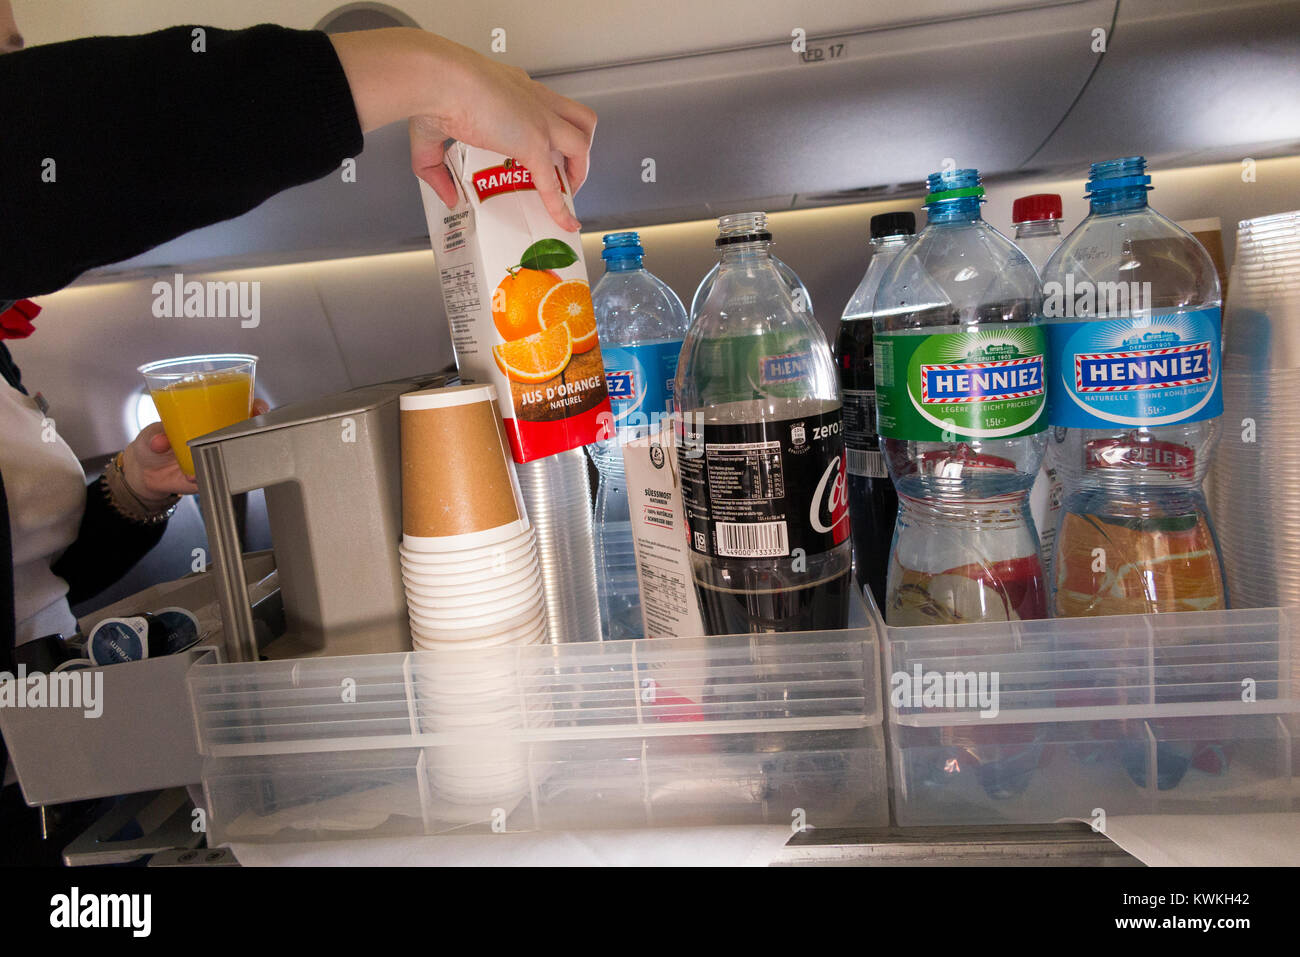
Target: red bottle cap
{"points": [[1028, 209]]}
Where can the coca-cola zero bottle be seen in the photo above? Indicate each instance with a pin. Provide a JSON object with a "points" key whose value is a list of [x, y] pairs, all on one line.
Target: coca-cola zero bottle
{"points": [[762, 450]]}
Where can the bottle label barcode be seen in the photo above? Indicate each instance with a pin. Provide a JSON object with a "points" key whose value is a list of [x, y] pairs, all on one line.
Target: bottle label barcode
{"points": [[752, 539], [863, 462]]}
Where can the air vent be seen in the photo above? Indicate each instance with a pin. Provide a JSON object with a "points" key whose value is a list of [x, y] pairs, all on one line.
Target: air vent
{"points": [[364, 16]]}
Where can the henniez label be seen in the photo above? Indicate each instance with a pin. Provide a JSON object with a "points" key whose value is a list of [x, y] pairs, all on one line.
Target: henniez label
{"points": [[763, 490], [1156, 370], [984, 385]]}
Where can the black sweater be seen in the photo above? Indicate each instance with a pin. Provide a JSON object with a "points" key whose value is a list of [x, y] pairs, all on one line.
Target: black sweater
{"points": [[149, 139]]}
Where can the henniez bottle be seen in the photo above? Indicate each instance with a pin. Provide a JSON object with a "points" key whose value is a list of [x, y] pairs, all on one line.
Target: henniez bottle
{"points": [[873, 503], [641, 323], [1037, 219], [798, 291], [762, 451], [1134, 330], [960, 409]]}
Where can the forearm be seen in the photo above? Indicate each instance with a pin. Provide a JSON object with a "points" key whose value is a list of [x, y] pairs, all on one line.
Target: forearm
{"points": [[107, 546], [114, 145], [399, 73]]}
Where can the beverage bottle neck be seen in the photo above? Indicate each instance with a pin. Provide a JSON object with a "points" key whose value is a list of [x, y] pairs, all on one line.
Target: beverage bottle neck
{"points": [[754, 251], [1126, 199], [1035, 228], [623, 264], [954, 212]]}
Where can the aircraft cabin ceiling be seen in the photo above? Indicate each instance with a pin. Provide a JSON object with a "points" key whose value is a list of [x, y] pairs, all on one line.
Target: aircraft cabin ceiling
{"points": [[732, 117]]}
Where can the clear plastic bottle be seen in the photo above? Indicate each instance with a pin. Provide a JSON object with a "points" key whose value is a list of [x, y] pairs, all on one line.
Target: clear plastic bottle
{"points": [[960, 404], [798, 291], [762, 452], [641, 324], [873, 503], [1037, 220], [1133, 321]]}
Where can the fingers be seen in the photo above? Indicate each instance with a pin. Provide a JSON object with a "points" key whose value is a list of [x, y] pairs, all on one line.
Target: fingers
{"points": [[572, 135], [426, 158], [153, 438], [261, 407], [548, 187]]}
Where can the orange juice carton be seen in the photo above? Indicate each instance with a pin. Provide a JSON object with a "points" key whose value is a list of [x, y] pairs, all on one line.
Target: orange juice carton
{"points": [[517, 299]]}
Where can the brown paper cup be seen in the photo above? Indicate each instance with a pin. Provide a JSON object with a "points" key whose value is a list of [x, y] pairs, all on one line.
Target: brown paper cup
{"points": [[459, 489]]}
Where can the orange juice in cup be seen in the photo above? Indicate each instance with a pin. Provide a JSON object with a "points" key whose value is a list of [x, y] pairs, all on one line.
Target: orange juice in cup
{"points": [[196, 395]]}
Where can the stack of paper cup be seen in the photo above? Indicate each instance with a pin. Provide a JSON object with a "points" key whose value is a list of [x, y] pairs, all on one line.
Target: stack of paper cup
{"points": [[1255, 491], [473, 588]]}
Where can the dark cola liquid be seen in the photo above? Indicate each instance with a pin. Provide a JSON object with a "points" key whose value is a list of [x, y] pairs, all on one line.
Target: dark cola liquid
{"points": [[873, 502], [821, 606]]}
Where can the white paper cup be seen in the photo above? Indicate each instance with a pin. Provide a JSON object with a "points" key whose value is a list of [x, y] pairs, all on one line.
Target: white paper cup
{"points": [[469, 616], [527, 635], [478, 583], [494, 571], [507, 545], [453, 608]]}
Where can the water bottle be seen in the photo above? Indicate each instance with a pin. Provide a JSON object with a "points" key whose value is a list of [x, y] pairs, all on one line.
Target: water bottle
{"points": [[641, 324], [798, 291], [960, 391], [960, 387], [761, 454], [873, 503], [1134, 330], [1037, 220]]}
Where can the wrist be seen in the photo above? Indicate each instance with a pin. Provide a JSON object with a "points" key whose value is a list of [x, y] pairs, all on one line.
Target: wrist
{"points": [[127, 503], [395, 73], [135, 484]]}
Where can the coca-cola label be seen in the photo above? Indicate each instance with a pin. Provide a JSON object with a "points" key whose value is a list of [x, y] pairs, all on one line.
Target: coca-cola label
{"points": [[508, 177], [763, 490], [860, 439]]}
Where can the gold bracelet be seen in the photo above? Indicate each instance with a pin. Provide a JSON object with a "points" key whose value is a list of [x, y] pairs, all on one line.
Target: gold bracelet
{"points": [[129, 505]]}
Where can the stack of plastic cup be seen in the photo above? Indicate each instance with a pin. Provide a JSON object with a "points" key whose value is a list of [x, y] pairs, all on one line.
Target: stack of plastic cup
{"points": [[557, 494], [473, 590], [1255, 491]]}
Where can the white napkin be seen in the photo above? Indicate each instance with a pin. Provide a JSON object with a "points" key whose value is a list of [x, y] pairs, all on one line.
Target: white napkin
{"points": [[1215, 840], [732, 846]]}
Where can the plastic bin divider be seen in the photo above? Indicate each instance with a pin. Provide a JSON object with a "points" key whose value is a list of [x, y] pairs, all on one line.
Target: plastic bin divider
{"points": [[1150, 789], [408, 681], [1151, 662], [1285, 768]]}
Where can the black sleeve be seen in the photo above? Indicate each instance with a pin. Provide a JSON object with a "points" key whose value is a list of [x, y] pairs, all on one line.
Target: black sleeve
{"points": [[107, 547], [150, 139]]}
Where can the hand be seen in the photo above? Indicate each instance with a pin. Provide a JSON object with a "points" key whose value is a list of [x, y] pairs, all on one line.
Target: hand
{"points": [[150, 467], [447, 91]]}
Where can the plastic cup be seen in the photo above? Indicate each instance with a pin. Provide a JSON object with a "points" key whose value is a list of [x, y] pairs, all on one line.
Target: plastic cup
{"points": [[195, 395]]}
